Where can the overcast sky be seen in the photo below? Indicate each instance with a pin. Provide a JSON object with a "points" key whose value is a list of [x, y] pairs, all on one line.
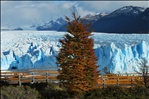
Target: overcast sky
{"points": [[27, 13]]}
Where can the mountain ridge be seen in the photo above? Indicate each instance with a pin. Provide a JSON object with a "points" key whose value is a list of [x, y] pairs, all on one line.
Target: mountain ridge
{"points": [[127, 20], [122, 22]]}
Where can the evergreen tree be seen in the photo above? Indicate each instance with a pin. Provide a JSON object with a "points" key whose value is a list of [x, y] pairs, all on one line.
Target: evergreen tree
{"points": [[77, 58]]}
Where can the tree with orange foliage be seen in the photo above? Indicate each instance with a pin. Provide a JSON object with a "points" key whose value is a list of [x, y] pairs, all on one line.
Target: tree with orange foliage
{"points": [[77, 58]]}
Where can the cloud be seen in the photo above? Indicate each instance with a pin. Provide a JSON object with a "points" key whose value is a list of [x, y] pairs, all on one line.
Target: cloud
{"points": [[17, 13], [109, 6], [28, 12]]}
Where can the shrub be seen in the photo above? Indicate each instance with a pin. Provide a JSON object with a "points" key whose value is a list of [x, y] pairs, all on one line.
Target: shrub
{"points": [[23, 92], [140, 91], [53, 91], [3, 83], [50, 91], [94, 94], [116, 92]]}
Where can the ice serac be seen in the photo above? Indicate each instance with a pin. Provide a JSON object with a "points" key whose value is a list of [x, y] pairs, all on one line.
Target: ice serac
{"points": [[122, 60], [120, 53], [35, 57]]}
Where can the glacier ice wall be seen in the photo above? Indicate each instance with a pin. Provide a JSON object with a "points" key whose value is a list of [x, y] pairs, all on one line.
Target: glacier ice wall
{"points": [[37, 49], [29, 50], [122, 60]]}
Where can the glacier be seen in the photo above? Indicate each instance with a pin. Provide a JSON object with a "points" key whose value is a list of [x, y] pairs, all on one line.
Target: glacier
{"points": [[120, 53]]}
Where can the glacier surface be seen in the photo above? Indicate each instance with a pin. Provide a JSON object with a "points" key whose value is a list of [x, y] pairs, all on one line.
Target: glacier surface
{"points": [[120, 53]]}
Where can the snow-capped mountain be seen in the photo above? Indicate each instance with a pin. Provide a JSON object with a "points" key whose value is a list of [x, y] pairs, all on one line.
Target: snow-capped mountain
{"points": [[127, 11], [32, 27], [127, 19], [60, 23], [38, 50], [6, 28], [18, 28], [52, 25], [89, 18], [95, 16]]}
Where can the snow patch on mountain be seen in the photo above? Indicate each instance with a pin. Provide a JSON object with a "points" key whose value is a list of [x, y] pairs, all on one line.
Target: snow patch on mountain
{"points": [[53, 24], [95, 16], [128, 11]]}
